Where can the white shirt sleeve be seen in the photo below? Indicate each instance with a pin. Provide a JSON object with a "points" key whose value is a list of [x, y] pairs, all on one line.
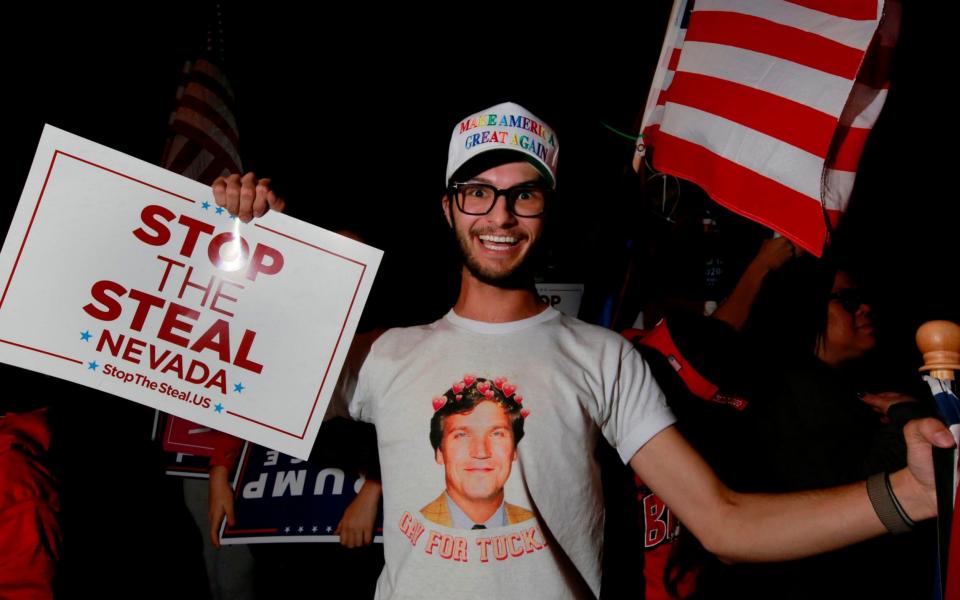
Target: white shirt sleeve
{"points": [[635, 409]]}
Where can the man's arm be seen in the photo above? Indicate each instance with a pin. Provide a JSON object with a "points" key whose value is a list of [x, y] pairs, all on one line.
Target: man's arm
{"points": [[226, 453], [219, 501], [356, 527], [776, 527], [773, 254]]}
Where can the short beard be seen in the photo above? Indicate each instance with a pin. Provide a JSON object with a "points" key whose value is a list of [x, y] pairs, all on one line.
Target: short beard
{"points": [[519, 278]]}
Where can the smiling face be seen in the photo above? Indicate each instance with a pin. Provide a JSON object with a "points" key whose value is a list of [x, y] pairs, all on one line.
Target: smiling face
{"points": [[477, 451], [495, 246], [849, 335]]}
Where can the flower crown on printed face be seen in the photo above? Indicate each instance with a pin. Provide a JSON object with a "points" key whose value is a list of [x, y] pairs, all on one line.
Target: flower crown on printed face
{"points": [[485, 388]]}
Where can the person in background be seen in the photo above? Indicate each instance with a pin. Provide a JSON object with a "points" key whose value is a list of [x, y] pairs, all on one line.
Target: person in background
{"points": [[30, 534], [818, 426]]}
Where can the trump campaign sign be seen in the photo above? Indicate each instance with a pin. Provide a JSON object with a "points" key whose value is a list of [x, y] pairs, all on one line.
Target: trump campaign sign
{"points": [[281, 499], [127, 278]]}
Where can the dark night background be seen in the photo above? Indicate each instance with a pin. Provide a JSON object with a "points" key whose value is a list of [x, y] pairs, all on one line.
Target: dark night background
{"points": [[351, 116], [350, 111]]}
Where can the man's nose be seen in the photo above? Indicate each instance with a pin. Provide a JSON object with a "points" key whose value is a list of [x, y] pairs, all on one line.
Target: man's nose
{"points": [[480, 447], [500, 213]]}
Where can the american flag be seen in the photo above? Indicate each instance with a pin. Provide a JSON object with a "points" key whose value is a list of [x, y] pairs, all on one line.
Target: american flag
{"points": [[949, 407], [202, 144], [766, 104], [203, 139]]}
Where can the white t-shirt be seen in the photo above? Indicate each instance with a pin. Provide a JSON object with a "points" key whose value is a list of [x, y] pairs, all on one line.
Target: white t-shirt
{"points": [[575, 381]]}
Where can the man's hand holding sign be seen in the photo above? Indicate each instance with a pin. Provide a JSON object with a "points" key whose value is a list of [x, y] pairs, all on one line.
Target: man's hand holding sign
{"points": [[177, 301], [246, 196]]}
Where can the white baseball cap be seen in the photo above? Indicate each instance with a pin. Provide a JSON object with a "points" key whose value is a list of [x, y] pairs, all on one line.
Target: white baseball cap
{"points": [[504, 128]]}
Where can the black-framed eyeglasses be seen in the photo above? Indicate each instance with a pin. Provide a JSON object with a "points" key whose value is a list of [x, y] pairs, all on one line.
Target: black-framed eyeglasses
{"points": [[526, 200], [850, 299]]}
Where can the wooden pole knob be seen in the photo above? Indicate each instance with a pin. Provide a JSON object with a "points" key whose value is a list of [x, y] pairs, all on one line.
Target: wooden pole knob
{"points": [[939, 341]]}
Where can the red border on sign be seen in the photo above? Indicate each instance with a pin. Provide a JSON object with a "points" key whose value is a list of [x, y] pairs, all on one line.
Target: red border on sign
{"points": [[67, 358], [336, 346]]}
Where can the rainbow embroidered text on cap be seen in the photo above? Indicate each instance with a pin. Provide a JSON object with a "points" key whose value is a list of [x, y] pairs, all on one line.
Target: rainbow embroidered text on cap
{"points": [[506, 126]]}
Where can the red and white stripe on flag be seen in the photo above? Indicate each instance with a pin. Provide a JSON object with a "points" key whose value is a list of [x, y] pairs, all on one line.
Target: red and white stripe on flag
{"points": [[953, 568], [766, 104], [203, 142]]}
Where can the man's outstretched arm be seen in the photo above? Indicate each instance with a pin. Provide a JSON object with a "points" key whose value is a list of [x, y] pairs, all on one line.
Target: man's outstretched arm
{"points": [[776, 527]]}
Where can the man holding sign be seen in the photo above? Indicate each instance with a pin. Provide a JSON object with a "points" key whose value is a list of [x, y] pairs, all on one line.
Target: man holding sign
{"points": [[578, 382], [128, 279]]}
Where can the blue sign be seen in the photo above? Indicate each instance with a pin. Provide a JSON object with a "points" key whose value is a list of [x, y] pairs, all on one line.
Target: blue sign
{"points": [[279, 498]]}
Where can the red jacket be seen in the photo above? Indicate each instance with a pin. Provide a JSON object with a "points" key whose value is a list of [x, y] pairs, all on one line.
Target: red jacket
{"points": [[29, 508]]}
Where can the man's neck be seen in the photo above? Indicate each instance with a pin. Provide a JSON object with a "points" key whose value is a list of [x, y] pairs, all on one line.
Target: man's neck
{"points": [[484, 302]]}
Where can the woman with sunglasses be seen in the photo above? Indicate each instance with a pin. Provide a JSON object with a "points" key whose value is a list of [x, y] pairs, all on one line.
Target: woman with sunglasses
{"points": [[816, 427]]}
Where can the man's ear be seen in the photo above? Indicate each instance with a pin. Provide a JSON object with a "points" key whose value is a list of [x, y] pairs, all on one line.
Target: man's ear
{"points": [[438, 456], [446, 210]]}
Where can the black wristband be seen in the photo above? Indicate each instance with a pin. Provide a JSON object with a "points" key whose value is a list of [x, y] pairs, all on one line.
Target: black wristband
{"points": [[896, 503], [885, 503]]}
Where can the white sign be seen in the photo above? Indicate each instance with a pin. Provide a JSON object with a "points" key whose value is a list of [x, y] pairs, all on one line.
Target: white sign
{"points": [[122, 276], [564, 297]]}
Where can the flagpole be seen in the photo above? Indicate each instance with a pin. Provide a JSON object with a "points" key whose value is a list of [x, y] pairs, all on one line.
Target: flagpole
{"points": [[939, 341]]}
